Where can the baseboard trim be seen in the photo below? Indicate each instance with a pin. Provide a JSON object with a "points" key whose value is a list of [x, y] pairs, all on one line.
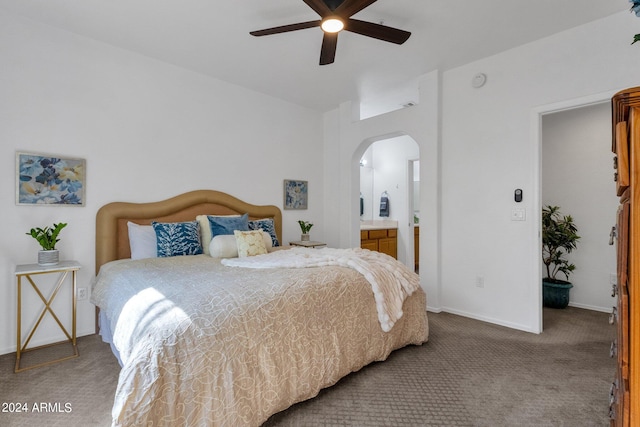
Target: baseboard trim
{"points": [[591, 307], [492, 320], [37, 343]]}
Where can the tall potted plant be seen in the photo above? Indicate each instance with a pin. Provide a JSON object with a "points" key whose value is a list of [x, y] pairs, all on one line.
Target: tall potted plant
{"points": [[559, 238], [47, 238]]}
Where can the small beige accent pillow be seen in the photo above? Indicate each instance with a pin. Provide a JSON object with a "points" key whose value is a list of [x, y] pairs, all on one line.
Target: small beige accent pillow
{"points": [[250, 243]]}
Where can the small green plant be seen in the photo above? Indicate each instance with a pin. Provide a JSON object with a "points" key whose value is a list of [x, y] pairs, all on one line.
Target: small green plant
{"points": [[559, 237], [305, 226], [48, 236]]}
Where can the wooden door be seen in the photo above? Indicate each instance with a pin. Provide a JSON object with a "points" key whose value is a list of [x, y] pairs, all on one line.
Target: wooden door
{"points": [[633, 283]]}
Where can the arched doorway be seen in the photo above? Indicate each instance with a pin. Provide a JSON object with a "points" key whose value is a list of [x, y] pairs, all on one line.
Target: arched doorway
{"points": [[387, 171]]}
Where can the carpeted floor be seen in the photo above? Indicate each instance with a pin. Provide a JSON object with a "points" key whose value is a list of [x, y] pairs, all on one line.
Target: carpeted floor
{"points": [[470, 373]]}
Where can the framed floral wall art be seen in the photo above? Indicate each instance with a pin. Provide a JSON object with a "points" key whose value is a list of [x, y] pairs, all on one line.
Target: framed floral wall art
{"points": [[295, 194], [43, 179]]}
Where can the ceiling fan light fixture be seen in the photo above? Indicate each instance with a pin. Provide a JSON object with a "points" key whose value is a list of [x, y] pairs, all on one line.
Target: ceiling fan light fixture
{"points": [[332, 24], [335, 17]]}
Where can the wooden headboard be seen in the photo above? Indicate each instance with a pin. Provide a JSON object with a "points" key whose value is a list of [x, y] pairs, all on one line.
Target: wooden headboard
{"points": [[112, 236]]}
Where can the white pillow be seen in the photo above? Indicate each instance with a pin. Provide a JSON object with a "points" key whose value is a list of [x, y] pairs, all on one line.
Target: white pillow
{"points": [[142, 241], [205, 230], [223, 246], [226, 246]]}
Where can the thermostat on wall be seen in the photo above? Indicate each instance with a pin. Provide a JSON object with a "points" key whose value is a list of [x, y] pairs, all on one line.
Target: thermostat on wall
{"points": [[517, 195]]}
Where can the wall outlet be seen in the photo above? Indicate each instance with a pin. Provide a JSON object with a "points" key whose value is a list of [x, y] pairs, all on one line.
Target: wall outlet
{"points": [[479, 282], [82, 294]]}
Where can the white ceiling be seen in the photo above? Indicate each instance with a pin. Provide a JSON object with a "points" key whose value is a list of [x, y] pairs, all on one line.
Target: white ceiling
{"points": [[212, 37]]}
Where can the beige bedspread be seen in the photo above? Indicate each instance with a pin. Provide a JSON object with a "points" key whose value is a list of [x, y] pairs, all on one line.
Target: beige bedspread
{"points": [[204, 344], [391, 281]]}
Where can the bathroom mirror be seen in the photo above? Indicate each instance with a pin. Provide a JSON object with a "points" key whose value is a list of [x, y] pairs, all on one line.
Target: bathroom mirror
{"points": [[366, 187]]}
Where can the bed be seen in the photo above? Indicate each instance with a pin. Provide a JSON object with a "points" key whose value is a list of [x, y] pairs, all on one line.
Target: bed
{"points": [[208, 344]]}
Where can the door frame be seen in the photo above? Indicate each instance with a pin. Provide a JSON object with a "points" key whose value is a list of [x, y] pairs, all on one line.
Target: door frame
{"points": [[536, 138]]}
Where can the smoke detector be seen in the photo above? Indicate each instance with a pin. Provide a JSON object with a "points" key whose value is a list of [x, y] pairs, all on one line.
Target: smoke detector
{"points": [[479, 80]]}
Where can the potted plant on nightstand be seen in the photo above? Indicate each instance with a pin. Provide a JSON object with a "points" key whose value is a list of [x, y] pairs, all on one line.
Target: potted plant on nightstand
{"points": [[305, 226], [559, 238], [47, 238]]}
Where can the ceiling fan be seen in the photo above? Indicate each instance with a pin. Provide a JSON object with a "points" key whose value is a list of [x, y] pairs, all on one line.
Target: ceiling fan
{"points": [[336, 16]]}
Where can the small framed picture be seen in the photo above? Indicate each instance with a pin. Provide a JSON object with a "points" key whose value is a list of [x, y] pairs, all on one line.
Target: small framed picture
{"points": [[295, 194], [43, 179]]}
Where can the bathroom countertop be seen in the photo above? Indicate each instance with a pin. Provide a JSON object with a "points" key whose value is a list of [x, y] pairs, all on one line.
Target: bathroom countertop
{"points": [[378, 224]]}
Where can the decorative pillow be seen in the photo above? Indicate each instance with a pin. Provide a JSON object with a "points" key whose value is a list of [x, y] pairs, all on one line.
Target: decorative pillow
{"points": [[250, 243], [267, 225], [227, 224], [177, 238], [142, 241], [225, 245], [205, 230]]}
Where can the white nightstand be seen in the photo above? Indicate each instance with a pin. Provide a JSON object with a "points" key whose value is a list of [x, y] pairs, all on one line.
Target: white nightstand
{"points": [[28, 271]]}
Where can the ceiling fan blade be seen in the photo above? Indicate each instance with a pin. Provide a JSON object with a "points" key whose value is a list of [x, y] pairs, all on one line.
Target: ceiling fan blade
{"points": [[286, 28], [351, 7], [319, 6], [377, 31], [328, 52]]}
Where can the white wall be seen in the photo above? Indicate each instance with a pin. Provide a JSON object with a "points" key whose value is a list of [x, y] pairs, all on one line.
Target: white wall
{"points": [[489, 150], [148, 131], [577, 175]]}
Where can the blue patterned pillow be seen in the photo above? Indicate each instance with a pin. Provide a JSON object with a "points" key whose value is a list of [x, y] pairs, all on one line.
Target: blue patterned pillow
{"points": [[223, 225], [177, 238], [267, 225]]}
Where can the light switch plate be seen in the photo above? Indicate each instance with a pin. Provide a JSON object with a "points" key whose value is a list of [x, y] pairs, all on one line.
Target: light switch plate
{"points": [[518, 214]]}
